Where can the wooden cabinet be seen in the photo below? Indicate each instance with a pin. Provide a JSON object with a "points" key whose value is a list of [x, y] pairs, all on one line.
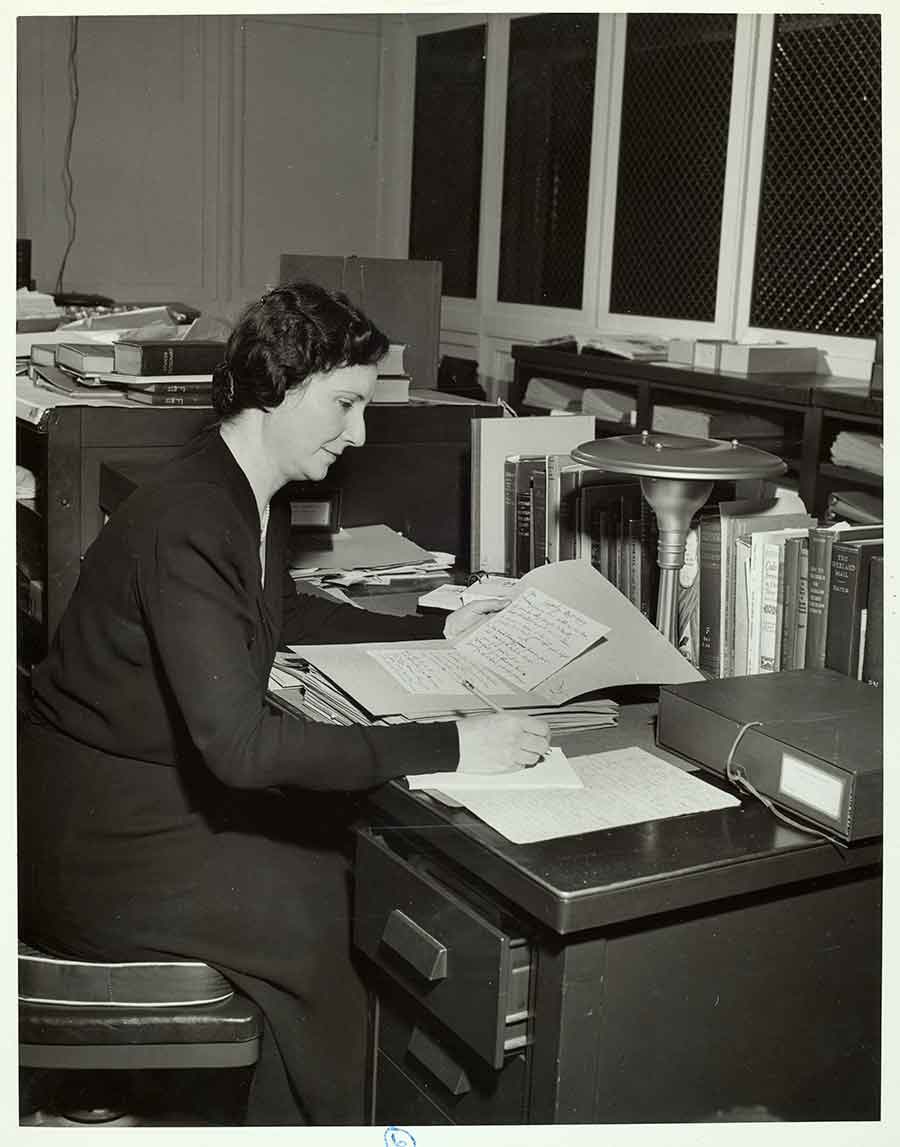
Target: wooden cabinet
{"points": [[65, 452], [809, 408]]}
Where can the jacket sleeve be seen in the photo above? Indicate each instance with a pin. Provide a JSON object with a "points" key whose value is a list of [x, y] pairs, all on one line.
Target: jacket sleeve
{"points": [[195, 586]]}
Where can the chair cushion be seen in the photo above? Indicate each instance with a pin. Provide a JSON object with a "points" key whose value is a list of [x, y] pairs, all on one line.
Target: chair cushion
{"points": [[45, 979]]}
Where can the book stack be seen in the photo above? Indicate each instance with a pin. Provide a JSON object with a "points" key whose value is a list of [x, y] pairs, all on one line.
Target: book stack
{"points": [[166, 372], [392, 384]]}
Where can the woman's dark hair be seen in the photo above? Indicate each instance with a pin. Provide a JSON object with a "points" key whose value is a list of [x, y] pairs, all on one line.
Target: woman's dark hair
{"points": [[292, 332]]}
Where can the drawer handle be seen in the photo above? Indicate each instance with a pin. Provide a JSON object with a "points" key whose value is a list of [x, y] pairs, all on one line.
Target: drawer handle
{"points": [[433, 1057], [404, 936]]}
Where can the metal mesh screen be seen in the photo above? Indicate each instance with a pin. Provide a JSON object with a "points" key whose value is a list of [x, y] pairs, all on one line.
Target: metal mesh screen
{"points": [[448, 130], [547, 158], [819, 238], [674, 139]]}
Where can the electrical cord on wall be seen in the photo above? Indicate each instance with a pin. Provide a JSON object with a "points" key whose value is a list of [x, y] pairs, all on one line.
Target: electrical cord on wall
{"points": [[68, 182]]}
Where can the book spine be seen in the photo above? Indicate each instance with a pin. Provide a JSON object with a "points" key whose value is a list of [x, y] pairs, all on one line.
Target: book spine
{"points": [[197, 389], [634, 559], [569, 514], [763, 660], [820, 544], [649, 568], [843, 593], [689, 597], [710, 593], [846, 601], [552, 508], [539, 515], [199, 401], [510, 516], [873, 650], [179, 358], [475, 494], [727, 591], [799, 660], [739, 666], [789, 584]]}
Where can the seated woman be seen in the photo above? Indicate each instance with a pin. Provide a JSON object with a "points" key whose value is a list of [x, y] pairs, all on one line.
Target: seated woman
{"points": [[165, 809]]}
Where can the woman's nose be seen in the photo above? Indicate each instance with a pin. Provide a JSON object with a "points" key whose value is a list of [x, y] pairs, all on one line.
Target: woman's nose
{"points": [[355, 431]]}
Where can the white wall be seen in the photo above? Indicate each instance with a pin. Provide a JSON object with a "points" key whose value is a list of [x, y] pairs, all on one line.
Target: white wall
{"points": [[204, 147]]}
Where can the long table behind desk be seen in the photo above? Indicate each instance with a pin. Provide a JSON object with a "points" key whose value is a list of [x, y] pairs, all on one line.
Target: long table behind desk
{"points": [[714, 966]]}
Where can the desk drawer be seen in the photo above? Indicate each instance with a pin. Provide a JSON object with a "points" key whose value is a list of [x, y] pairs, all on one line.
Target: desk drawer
{"points": [[432, 1064], [460, 967]]}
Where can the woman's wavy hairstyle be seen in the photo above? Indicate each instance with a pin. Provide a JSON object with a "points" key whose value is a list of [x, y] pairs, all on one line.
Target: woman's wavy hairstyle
{"points": [[294, 331]]}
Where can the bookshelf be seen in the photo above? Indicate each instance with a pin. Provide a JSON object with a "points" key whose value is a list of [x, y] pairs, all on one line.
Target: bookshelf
{"points": [[811, 408]]}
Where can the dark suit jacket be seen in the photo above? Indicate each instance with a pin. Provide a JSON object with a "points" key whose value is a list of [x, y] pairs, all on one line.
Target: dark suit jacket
{"points": [[164, 651]]}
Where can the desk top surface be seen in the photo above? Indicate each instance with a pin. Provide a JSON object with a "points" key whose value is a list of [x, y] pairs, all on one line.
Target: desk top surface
{"points": [[602, 878]]}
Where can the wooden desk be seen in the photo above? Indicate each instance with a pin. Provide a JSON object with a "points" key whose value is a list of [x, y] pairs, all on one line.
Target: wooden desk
{"points": [[664, 972]]}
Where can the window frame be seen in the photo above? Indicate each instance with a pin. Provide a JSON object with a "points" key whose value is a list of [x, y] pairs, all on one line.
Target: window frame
{"points": [[486, 328], [846, 355]]}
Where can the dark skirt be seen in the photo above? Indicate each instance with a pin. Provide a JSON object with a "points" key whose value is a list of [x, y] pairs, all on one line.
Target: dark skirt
{"points": [[120, 859]]}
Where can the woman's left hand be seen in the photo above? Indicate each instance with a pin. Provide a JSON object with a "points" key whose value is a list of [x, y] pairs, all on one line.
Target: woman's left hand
{"points": [[471, 614]]}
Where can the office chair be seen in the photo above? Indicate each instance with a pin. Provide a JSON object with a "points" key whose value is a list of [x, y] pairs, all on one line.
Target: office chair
{"points": [[98, 1023]]}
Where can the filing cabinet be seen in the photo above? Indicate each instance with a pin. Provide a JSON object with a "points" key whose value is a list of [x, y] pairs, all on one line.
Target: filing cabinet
{"points": [[460, 967]]}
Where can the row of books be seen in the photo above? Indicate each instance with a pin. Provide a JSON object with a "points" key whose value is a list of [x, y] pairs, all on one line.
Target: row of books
{"points": [[778, 591], [556, 509]]}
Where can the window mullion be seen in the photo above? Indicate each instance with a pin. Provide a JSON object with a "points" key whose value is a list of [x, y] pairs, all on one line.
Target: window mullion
{"points": [[492, 166], [756, 144]]}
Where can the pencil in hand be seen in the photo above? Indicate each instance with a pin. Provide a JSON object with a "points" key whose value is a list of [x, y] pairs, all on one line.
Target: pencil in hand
{"points": [[483, 698]]}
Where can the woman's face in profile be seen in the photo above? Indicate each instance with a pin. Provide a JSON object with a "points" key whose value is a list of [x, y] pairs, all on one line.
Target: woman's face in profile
{"points": [[316, 422]]}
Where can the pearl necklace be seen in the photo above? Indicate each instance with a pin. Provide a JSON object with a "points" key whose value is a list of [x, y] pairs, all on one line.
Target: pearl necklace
{"points": [[263, 526]]}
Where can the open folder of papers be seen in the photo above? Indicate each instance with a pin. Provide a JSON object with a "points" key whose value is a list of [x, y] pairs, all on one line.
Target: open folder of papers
{"points": [[567, 632]]}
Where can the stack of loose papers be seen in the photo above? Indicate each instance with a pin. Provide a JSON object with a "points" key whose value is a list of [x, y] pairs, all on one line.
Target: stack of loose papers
{"points": [[858, 451], [625, 786]]}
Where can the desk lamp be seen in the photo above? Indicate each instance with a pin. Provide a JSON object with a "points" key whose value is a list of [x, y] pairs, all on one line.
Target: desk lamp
{"points": [[677, 474]]}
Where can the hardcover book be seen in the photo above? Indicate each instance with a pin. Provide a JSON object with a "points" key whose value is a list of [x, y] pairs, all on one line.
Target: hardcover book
{"points": [[850, 564], [168, 356], [84, 359]]}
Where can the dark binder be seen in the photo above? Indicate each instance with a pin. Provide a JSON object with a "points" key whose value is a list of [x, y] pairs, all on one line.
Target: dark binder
{"points": [[817, 751]]}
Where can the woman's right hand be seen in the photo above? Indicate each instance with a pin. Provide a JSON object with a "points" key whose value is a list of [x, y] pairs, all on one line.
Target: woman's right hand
{"points": [[501, 743]]}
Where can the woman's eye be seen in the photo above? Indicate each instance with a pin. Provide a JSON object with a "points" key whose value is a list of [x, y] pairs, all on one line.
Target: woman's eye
{"points": [[345, 403]]}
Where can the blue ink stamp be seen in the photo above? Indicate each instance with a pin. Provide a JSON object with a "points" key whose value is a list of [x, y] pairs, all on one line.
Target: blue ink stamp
{"points": [[398, 1137]]}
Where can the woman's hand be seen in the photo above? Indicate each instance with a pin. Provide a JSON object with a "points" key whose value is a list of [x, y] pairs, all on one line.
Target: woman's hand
{"points": [[501, 743], [461, 620]]}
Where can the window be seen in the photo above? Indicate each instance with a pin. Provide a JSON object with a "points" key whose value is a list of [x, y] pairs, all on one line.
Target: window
{"points": [[818, 263], [673, 144], [547, 158], [446, 169]]}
